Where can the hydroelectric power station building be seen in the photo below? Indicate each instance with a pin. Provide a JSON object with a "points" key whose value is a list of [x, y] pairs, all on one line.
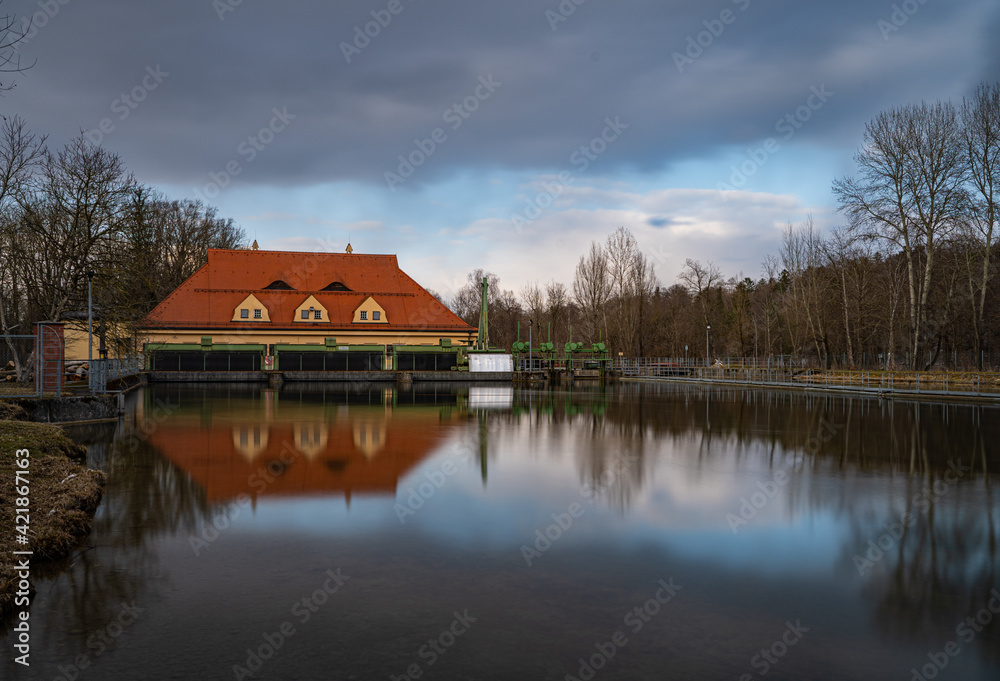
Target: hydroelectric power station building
{"points": [[255, 310]]}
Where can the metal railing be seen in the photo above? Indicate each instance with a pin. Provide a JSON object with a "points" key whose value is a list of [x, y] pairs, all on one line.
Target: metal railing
{"points": [[786, 373], [103, 371], [646, 365]]}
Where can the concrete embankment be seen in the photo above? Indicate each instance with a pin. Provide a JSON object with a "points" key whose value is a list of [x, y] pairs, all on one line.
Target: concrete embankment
{"points": [[71, 408]]}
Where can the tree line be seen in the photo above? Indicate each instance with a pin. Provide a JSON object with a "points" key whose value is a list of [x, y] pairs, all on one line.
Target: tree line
{"points": [[75, 217], [906, 281]]}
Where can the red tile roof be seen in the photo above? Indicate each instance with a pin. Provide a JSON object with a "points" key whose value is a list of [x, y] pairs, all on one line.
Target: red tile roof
{"points": [[209, 297]]}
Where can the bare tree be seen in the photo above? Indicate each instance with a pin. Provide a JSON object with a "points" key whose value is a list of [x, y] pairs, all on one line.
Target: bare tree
{"points": [[909, 192], [700, 280], [69, 223], [533, 300], [840, 253], [556, 306], [981, 137], [802, 257], [10, 58], [592, 290], [625, 307], [467, 301], [21, 152]]}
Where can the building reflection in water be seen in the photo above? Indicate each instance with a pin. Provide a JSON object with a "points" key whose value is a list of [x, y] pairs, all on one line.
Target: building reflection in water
{"points": [[292, 442]]}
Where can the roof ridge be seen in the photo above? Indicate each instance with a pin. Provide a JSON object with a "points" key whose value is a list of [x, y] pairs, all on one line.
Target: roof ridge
{"points": [[262, 252]]}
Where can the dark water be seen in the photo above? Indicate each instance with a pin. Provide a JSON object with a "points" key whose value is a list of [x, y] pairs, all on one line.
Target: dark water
{"points": [[693, 533]]}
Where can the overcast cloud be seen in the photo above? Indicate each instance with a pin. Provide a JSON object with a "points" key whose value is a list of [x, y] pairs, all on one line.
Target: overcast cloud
{"points": [[303, 116]]}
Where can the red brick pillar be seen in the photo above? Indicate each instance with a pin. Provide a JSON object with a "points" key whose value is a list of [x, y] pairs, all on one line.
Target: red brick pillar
{"points": [[50, 355]]}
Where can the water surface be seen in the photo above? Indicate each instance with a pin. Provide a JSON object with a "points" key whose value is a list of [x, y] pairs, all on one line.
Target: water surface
{"points": [[637, 531]]}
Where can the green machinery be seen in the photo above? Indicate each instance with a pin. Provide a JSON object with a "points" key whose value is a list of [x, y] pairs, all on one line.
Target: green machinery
{"points": [[579, 355], [576, 355], [541, 358]]}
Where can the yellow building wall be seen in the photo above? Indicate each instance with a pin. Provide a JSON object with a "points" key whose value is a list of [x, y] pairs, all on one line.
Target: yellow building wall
{"points": [[344, 337], [118, 340]]}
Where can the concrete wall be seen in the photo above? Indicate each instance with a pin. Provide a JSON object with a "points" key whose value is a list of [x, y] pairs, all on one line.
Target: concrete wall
{"points": [[333, 376], [63, 409]]}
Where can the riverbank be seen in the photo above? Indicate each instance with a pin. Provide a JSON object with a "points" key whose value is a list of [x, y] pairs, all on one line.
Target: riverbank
{"points": [[63, 495]]}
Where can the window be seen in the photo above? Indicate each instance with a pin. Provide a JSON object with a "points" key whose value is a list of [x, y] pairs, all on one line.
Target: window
{"points": [[375, 315], [318, 314], [257, 314], [305, 314], [244, 313], [364, 316]]}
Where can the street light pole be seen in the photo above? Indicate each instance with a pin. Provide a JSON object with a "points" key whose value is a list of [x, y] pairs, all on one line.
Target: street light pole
{"points": [[707, 329], [90, 330]]}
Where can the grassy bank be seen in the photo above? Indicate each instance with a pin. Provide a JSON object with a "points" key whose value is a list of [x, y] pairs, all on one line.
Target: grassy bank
{"points": [[63, 495]]}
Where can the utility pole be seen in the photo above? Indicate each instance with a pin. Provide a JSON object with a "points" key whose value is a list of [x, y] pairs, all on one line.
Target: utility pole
{"points": [[707, 329], [531, 323], [90, 330], [483, 342]]}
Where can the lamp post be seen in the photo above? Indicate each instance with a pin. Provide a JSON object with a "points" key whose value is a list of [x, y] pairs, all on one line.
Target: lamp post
{"points": [[707, 330], [90, 329]]}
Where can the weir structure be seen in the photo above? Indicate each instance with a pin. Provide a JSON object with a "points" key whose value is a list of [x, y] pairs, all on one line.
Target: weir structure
{"points": [[578, 360]]}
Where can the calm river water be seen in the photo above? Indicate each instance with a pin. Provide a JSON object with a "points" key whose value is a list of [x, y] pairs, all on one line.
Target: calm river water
{"points": [[637, 531]]}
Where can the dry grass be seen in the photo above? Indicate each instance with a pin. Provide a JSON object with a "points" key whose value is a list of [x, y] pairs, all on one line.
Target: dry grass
{"points": [[14, 388], [64, 495]]}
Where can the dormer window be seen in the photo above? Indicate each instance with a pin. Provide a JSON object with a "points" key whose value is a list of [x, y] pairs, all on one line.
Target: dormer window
{"points": [[370, 312], [309, 310], [335, 286], [242, 311]]}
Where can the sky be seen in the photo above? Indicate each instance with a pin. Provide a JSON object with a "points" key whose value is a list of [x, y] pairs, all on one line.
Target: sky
{"points": [[501, 135]]}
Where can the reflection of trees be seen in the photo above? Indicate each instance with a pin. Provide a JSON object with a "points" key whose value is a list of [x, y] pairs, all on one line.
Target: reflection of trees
{"points": [[146, 497], [886, 456], [610, 452], [943, 567]]}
